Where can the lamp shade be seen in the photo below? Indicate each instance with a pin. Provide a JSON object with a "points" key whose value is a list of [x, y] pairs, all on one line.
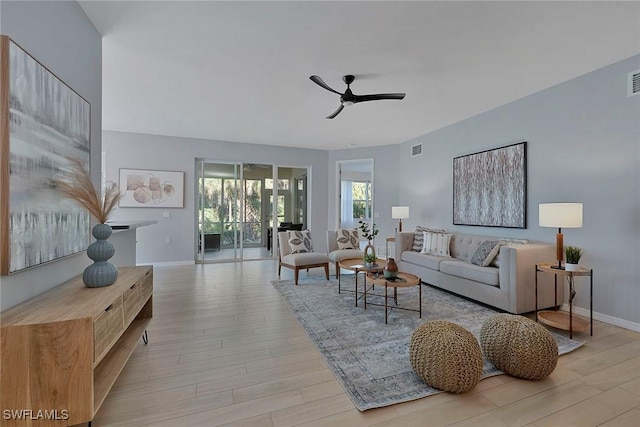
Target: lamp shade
{"points": [[400, 212], [560, 215]]}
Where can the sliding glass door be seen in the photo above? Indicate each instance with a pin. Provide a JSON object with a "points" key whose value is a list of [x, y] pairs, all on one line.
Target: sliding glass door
{"points": [[241, 207], [219, 192]]}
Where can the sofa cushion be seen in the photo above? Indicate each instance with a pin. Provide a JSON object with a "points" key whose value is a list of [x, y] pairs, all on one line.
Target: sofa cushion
{"points": [[340, 254], [347, 239], [423, 260], [485, 253], [418, 236], [466, 270], [300, 241]]}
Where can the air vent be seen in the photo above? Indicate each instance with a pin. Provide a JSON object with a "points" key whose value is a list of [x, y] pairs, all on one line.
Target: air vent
{"points": [[416, 150], [634, 83]]}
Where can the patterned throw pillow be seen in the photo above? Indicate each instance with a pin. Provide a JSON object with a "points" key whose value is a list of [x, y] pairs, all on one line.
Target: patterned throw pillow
{"points": [[436, 244], [418, 237], [300, 241], [485, 253], [348, 239], [496, 261]]}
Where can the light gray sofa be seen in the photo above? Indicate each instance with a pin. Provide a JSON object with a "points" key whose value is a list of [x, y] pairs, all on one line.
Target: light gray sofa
{"points": [[509, 287]]}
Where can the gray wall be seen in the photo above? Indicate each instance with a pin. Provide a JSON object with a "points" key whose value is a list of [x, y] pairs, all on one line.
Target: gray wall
{"points": [[139, 151], [583, 146], [60, 36]]}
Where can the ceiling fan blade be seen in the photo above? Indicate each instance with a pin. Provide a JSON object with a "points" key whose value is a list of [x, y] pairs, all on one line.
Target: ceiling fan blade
{"points": [[379, 96], [335, 113], [317, 80]]}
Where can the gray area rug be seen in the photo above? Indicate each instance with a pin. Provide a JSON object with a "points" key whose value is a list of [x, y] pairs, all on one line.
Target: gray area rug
{"points": [[371, 359]]}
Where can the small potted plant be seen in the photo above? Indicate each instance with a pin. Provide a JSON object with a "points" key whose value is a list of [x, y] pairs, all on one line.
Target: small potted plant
{"points": [[572, 256], [369, 259]]}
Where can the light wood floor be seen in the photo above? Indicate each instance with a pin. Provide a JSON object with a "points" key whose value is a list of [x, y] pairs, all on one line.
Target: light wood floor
{"points": [[225, 350]]}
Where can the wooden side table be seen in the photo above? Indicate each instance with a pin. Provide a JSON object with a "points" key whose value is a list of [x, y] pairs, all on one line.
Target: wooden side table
{"points": [[562, 319]]}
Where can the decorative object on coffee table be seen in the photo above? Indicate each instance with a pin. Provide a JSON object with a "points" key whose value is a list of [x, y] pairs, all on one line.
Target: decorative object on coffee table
{"points": [[77, 186], [390, 269], [369, 234], [519, 346], [559, 215], [446, 356]]}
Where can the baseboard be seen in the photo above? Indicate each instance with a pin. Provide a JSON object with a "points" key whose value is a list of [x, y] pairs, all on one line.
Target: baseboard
{"points": [[170, 263], [604, 318]]}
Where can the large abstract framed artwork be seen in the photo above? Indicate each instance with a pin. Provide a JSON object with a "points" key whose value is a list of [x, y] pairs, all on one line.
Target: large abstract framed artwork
{"points": [[141, 188], [43, 122], [490, 188]]}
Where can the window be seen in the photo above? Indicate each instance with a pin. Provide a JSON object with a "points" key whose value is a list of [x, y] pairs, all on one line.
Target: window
{"points": [[361, 200]]}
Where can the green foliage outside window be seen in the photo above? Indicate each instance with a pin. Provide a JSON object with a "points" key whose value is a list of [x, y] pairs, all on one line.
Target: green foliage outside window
{"points": [[361, 192]]}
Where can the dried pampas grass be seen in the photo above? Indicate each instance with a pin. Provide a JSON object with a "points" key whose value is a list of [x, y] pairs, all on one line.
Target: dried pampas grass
{"points": [[77, 185]]}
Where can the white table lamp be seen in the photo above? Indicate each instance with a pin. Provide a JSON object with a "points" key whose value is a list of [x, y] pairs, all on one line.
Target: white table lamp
{"points": [[560, 215], [400, 212]]}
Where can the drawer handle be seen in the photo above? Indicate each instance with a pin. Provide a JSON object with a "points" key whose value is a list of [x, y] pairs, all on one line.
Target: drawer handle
{"points": [[108, 308]]}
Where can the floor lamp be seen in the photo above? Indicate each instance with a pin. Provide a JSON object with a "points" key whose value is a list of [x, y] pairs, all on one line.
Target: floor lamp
{"points": [[560, 215], [400, 212]]}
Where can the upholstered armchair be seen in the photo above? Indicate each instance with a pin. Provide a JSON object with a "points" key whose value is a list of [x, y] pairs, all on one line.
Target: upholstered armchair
{"points": [[343, 244], [296, 253]]}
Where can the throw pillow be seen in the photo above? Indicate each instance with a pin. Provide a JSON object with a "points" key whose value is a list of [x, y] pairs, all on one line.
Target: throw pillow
{"points": [[429, 243], [485, 253], [348, 239], [442, 246], [418, 237], [436, 244], [496, 261], [300, 241]]}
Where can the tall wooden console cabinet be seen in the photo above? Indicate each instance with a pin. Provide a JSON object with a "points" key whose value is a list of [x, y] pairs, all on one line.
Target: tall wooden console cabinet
{"points": [[63, 350]]}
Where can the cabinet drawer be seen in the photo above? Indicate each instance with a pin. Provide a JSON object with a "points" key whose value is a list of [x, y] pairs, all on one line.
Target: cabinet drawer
{"points": [[107, 327], [131, 302], [146, 289]]}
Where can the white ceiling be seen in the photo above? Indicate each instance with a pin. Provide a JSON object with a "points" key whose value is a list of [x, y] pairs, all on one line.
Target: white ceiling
{"points": [[239, 71]]}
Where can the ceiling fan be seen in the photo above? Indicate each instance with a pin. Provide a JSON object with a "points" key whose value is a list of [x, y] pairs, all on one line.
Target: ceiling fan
{"points": [[349, 98]]}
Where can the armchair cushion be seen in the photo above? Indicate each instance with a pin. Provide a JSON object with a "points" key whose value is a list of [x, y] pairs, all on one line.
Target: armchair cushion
{"points": [[347, 239], [300, 241], [305, 258]]}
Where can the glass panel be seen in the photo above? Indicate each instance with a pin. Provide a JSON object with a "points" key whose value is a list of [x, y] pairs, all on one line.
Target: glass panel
{"points": [[361, 200], [255, 225], [218, 212], [253, 211], [301, 200]]}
